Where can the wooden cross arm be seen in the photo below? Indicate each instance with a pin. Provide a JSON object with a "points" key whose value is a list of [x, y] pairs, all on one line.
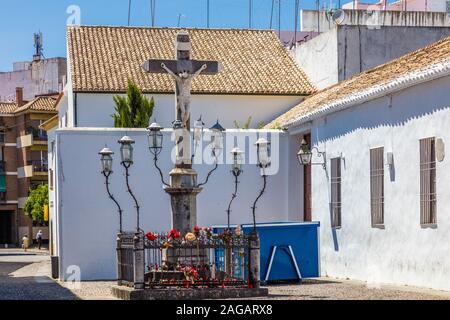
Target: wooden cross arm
{"points": [[191, 66]]}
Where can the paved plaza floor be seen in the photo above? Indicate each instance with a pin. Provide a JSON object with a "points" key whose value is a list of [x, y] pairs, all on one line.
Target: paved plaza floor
{"points": [[26, 276]]}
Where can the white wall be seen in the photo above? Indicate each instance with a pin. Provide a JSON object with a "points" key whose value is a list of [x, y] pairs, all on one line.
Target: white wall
{"points": [[322, 50], [88, 219], [95, 110], [403, 252]]}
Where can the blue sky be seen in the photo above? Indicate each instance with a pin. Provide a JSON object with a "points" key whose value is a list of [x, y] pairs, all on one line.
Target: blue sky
{"points": [[19, 19]]}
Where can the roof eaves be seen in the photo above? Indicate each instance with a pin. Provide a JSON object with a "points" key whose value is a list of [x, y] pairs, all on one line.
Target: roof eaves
{"points": [[410, 79]]}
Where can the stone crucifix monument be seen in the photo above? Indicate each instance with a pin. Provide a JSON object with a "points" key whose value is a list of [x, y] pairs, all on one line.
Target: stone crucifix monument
{"points": [[183, 187]]}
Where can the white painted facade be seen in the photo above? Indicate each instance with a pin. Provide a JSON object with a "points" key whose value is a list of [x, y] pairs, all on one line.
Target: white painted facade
{"points": [[403, 252], [96, 109], [85, 221]]}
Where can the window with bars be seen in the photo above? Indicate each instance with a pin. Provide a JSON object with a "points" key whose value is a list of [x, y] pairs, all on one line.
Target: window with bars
{"points": [[377, 186], [428, 181], [336, 193]]}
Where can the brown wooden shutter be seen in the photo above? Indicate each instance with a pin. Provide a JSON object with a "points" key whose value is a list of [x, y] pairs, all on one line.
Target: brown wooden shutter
{"points": [[427, 181], [336, 192], [377, 186]]}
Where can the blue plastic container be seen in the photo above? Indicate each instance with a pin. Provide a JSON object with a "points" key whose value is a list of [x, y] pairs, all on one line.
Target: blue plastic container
{"points": [[304, 241]]}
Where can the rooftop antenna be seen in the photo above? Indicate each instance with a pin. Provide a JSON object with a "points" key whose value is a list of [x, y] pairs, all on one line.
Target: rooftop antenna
{"points": [[318, 15], [271, 14], [207, 13], [152, 11], [180, 15], [297, 8], [250, 13], [38, 44], [279, 19], [129, 12]]}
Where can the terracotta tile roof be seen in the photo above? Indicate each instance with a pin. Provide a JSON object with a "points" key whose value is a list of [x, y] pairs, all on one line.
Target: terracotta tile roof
{"points": [[417, 64], [255, 62], [7, 107], [39, 104]]}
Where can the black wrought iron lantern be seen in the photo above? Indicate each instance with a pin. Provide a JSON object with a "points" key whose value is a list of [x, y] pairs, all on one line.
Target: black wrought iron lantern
{"points": [[126, 150], [106, 160], [238, 160], [305, 154], [217, 137], [198, 129], [155, 138], [262, 152]]}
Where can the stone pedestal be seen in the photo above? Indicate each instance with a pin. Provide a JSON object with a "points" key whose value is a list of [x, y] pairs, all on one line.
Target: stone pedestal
{"points": [[254, 264], [183, 195], [139, 261]]}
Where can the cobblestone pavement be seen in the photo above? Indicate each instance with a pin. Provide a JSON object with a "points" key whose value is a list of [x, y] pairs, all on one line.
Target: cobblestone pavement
{"points": [[25, 276]]}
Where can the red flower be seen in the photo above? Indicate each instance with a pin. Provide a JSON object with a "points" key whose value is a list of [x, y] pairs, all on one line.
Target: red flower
{"points": [[196, 230], [151, 237], [174, 234]]}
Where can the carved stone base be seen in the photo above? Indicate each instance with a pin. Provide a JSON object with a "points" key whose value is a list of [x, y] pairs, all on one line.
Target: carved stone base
{"points": [[187, 294], [183, 193]]}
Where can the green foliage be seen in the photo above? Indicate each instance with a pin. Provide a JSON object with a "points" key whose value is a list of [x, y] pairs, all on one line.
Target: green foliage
{"points": [[34, 206], [246, 124], [134, 110]]}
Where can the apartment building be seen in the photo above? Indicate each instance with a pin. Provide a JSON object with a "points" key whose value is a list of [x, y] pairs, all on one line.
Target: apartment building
{"points": [[23, 163]]}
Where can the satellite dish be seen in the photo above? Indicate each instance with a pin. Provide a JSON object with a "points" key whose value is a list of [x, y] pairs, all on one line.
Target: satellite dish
{"points": [[338, 16]]}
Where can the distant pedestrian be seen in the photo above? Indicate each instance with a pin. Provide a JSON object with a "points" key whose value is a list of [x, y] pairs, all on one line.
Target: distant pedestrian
{"points": [[39, 239], [25, 243]]}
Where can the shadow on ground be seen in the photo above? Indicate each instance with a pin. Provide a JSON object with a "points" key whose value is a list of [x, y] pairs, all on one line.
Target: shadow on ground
{"points": [[29, 288]]}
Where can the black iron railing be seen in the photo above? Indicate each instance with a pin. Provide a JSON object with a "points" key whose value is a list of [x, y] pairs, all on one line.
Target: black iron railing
{"points": [[195, 260], [37, 134], [38, 165]]}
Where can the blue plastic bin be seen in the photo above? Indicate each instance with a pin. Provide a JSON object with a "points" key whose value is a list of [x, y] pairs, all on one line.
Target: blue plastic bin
{"points": [[302, 237]]}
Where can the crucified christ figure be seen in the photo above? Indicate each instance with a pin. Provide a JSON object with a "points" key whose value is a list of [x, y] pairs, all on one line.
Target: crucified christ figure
{"points": [[183, 82]]}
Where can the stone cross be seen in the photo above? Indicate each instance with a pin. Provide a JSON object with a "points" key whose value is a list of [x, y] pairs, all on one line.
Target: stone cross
{"points": [[183, 70]]}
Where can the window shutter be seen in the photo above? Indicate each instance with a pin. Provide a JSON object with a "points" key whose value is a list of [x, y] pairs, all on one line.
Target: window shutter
{"points": [[428, 181], [377, 186]]}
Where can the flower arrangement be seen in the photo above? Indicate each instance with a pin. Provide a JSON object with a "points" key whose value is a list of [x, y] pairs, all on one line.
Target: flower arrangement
{"points": [[151, 236], [174, 234]]}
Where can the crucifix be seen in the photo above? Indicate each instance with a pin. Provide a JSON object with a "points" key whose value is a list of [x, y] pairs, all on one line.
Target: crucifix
{"points": [[183, 71], [183, 187]]}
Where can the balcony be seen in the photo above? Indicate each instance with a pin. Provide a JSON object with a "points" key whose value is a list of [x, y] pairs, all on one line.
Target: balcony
{"points": [[35, 169], [37, 134], [34, 138], [39, 166]]}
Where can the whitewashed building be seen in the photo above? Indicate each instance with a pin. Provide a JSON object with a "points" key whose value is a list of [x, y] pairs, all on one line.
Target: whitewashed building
{"points": [[259, 79], [383, 200]]}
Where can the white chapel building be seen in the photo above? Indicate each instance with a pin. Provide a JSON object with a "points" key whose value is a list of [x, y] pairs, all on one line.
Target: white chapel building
{"points": [[259, 79]]}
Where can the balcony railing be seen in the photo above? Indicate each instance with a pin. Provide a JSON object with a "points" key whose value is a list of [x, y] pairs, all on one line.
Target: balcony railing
{"points": [[38, 165], [39, 135]]}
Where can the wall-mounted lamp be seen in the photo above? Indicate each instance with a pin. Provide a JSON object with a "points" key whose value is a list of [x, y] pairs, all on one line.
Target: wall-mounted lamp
{"points": [[305, 154]]}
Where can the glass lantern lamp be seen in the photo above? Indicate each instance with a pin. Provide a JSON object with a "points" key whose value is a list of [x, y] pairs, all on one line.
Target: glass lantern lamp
{"points": [[155, 138], [262, 151], [198, 129], [126, 150], [106, 160], [305, 154], [217, 136], [238, 160]]}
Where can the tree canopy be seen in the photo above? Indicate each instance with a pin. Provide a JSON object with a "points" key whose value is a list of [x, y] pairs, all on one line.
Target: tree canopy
{"points": [[134, 110]]}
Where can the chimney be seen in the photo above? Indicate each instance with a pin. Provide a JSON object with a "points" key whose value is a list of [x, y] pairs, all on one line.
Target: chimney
{"points": [[19, 96]]}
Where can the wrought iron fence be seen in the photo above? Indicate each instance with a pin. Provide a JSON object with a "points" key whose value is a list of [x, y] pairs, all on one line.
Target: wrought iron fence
{"points": [[214, 261], [192, 261]]}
